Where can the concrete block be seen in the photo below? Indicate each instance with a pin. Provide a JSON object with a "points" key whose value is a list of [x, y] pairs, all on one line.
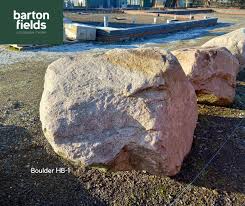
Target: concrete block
{"points": [[74, 31]]}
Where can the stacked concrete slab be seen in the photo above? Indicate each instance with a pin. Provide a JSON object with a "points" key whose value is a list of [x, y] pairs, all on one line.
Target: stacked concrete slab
{"points": [[74, 31], [111, 35]]}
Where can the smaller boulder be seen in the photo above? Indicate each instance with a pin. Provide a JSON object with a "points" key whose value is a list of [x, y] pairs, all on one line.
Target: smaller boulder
{"points": [[212, 72], [233, 41]]}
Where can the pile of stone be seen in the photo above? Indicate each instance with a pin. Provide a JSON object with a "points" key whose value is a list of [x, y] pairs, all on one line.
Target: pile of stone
{"points": [[233, 41], [212, 72], [213, 68], [133, 109]]}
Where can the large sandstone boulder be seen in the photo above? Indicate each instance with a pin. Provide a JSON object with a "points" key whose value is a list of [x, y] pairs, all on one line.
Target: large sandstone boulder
{"points": [[126, 109], [233, 41], [212, 72]]}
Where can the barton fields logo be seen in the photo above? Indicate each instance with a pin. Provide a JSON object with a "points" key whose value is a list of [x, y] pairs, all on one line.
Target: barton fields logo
{"points": [[31, 22]]}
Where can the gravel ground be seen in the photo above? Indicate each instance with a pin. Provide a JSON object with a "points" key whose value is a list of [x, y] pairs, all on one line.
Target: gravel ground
{"points": [[23, 146]]}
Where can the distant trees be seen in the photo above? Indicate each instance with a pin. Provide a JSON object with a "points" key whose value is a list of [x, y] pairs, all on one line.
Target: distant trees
{"points": [[227, 3]]}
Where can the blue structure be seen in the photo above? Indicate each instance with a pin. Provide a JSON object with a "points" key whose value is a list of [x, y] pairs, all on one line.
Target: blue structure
{"points": [[108, 3]]}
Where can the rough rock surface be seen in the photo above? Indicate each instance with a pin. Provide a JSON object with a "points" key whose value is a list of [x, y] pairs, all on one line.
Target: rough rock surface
{"points": [[212, 72], [126, 109], [233, 41]]}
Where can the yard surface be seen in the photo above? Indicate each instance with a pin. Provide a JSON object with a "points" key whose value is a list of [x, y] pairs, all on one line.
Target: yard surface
{"points": [[23, 146]]}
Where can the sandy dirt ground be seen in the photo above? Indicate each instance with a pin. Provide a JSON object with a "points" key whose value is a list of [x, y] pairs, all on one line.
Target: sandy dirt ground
{"points": [[23, 146]]}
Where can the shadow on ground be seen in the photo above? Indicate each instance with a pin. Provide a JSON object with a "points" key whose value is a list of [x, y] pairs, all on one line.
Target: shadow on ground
{"points": [[18, 154], [239, 102], [226, 172], [216, 125]]}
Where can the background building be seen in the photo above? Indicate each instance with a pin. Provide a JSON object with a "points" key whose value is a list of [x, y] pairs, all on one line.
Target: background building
{"points": [[152, 3], [110, 3]]}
